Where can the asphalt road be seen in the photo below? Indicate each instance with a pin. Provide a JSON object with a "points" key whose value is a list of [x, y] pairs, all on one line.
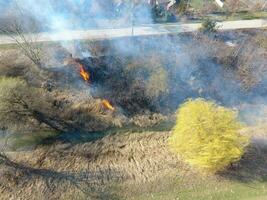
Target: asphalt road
{"points": [[146, 30]]}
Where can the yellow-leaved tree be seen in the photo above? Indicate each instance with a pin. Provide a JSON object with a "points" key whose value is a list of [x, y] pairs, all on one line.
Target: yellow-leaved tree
{"points": [[207, 136]]}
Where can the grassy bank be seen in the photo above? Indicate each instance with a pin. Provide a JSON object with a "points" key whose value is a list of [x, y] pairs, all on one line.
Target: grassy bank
{"points": [[219, 190]]}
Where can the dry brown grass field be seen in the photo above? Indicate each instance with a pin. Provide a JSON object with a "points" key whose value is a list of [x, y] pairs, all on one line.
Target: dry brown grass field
{"points": [[125, 154]]}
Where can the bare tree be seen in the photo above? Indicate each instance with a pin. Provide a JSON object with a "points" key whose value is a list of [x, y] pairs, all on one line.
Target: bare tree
{"points": [[24, 35]]}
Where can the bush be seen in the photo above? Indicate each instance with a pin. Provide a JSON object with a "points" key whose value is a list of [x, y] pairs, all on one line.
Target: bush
{"points": [[182, 6], [209, 26], [207, 135], [160, 14]]}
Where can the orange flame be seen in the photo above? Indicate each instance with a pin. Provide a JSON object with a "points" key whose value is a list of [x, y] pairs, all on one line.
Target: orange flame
{"points": [[84, 74], [107, 105]]}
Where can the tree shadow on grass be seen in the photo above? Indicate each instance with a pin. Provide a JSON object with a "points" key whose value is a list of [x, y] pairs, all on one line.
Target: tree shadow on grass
{"points": [[252, 166], [78, 138], [92, 185]]}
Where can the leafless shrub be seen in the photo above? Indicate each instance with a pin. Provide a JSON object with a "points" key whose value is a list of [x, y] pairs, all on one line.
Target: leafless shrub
{"points": [[24, 36]]}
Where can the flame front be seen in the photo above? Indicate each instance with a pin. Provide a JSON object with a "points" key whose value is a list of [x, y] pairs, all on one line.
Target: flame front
{"points": [[107, 105], [84, 74]]}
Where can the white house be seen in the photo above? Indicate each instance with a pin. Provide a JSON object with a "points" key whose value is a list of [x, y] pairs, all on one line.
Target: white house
{"points": [[220, 3], [168, 3]]}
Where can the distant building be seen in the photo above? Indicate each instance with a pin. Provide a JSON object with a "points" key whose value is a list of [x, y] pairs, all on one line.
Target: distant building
{"points": [[220, 2], [167, 3]]}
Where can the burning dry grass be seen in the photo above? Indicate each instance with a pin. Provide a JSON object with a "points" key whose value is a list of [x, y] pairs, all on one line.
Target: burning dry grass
{"points": [[140, 87], [85, 112], [144, 84], [25, 106]]}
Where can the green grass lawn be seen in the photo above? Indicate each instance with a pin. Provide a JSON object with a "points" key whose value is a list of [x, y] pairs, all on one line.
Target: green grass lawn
{"points": [[197, 4], [239, 16], [27, 140], [7, 46], [223, 190]]}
